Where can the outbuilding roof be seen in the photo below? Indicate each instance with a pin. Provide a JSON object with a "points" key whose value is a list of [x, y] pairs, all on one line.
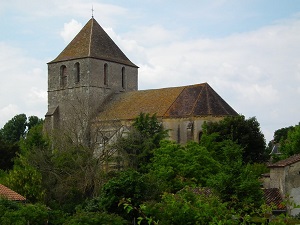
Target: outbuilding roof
{"points": [[175, 102], [273, 198], [9, 194], [92, 41], [286, 162]]}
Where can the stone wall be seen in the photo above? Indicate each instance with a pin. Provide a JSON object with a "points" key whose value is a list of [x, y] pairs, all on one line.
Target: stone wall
{"points": [[78, 87]]}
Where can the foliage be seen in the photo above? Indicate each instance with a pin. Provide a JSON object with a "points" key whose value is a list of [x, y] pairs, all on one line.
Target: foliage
{"points": [[94, 218], [22, 214], [17, 127], [236, 183], [139, 143], [291, 145], [176, 166], [127, 184], [26, 180], [245, 132], [8, 152], [10, 135], [186, 207]]}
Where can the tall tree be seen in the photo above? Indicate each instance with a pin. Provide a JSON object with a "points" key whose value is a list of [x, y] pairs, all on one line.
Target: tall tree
{"points": [[138, 145], [176, 166], [17, 127], [291, 145], [14, 129], [235, 182], [245, 132]]}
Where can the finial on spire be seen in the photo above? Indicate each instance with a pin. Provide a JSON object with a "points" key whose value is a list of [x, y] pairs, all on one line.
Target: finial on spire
{"points": [[92, 11]]}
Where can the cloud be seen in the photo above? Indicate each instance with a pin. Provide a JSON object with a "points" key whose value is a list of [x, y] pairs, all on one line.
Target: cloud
{"points": [[24, 80], [256, 72], [70, 30]]}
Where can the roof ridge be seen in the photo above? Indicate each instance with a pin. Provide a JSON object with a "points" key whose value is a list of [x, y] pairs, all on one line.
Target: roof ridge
{"points": [[195, 103], [90, 41], [183, 88]]}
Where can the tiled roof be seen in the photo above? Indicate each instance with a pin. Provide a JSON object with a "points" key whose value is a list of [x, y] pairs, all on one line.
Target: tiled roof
{"points": [[175, 102], [92, 41], [286, 162], [273, 197], [9, 194]]}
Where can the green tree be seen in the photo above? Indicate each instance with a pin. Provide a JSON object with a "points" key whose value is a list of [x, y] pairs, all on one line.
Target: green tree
{"points": [[245, 132], [8, 152], [127, 184], [187, 207], [25, 179], [14, 129], [282, 134], [22, 214], [144, 136], [236, 183], [17, 127], [291, 145], [94, 218], [176, 166]]}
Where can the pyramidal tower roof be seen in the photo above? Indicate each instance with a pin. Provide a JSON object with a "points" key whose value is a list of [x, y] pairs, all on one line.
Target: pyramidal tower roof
{"points": [[92, 41]]}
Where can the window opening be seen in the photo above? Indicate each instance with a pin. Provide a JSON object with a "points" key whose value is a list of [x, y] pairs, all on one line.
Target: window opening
{"points": [[123, 77], [105, 81], [63, 75], [77, 72]]}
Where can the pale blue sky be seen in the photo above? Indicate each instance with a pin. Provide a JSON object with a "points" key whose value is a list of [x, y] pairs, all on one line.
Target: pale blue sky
{"points": [[247, 50]]}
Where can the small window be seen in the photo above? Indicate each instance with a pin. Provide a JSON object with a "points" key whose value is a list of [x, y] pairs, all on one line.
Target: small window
{"points": [[123, 77], [63, 76], [77, 72], [200, 136], [190, 131], [178, 134], [105, 78]]}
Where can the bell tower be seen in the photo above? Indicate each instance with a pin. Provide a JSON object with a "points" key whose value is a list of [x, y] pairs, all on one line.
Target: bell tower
{"points": [[83, 76]]}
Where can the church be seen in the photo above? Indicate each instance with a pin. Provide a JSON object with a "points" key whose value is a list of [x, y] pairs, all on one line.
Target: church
{"points": [[93, 92]]}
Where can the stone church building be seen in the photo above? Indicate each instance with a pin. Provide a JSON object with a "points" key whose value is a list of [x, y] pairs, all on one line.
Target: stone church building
{"points": [[93, 88]]}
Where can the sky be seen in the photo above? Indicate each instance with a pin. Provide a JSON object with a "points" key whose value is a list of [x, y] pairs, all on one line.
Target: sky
{"points": [[248, 51]]}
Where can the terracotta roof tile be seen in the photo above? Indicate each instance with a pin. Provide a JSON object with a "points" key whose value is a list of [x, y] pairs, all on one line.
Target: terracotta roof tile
{"points": [[185, 101], [92, 41], [273, 197], [9, 194], [286, 162]]}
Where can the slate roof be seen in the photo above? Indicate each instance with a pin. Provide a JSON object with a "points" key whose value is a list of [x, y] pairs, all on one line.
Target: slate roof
{"points": [[286, 162], [92, 41], [176, 102], [273, 197], [9, 194]]}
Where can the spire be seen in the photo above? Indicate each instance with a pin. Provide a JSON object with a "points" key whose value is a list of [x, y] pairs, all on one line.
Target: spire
{"points": [[92, 41]]}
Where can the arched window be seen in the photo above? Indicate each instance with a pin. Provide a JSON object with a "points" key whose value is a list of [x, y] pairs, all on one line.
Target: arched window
{"points": [[63, 76], [200, 135], [123, 77], [77, 72], [105, 78], [190, 131], [178, 133]]}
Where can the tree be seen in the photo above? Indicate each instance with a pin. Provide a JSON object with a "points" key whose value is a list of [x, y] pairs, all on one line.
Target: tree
{"points": [[128, 184], [291, 145], [235, 182], [245, 132], [281, 134], [176, 166], [14, 129], [10, 135], [187, 207], [8, 152], [138, 144]]}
